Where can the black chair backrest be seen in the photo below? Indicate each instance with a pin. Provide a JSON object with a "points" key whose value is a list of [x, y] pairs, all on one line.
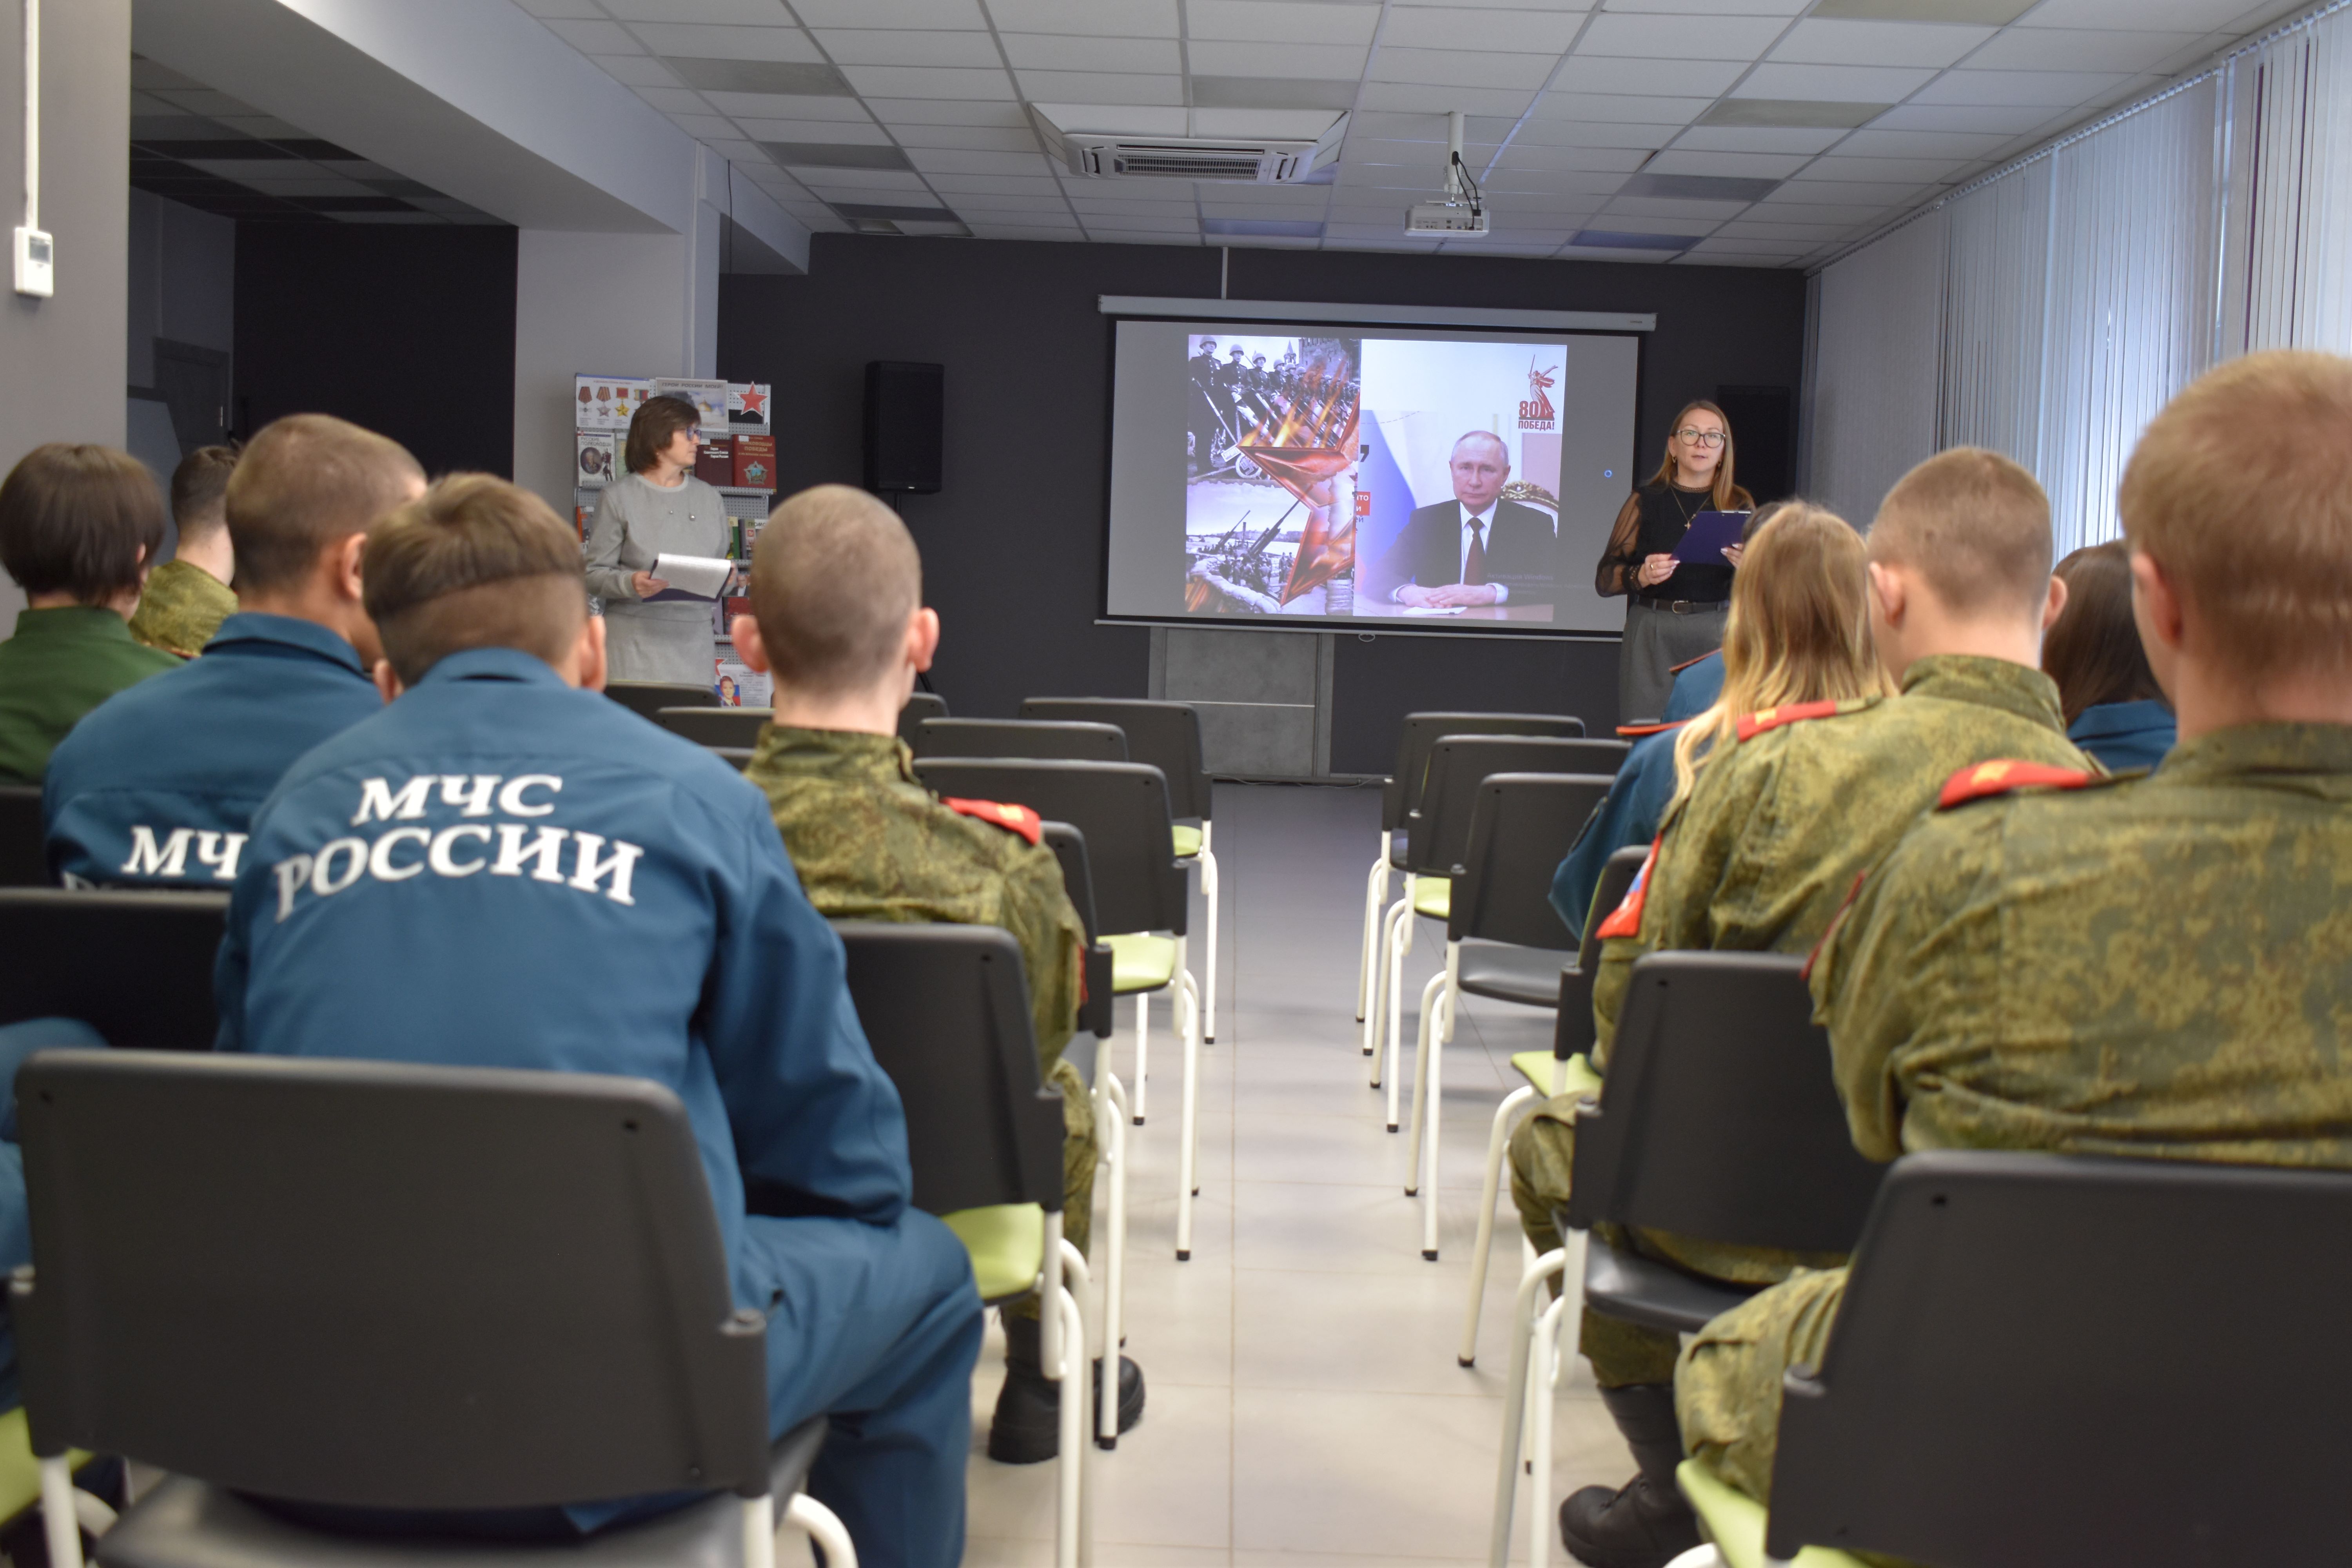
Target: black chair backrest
{"points": [[1522, 828], [736, 757], [650, 696], [1122, 809], [714, 727], [1030, 738], [1440, 830], [1719, 1118], [1069, 848], [24, 853], [920, 705], [2142, 1360], [380, 1285], [946, 1008], [1420, 731], [135, 966], [1574, 1032], [1165, 734]]}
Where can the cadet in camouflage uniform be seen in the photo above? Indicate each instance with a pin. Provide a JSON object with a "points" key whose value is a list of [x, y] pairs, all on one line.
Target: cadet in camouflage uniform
{"points": [[835, 591], [2158, 967], [186, 598], [1786, 811]]}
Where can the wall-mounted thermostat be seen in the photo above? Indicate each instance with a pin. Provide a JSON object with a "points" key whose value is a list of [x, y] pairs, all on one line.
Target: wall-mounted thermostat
{"points": [[36, 269]]}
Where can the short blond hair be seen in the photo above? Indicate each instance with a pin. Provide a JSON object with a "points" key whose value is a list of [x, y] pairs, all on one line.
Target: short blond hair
{"points": [[305, 482], [475, 561], [1976, 526], [2242, 489], [833, 578]]}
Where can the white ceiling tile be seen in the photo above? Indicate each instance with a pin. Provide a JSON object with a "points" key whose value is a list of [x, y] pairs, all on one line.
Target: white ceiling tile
{"points": [[1617, 215], [746, 12], [1877, 141], [2137, 15], [2005, 118], [1094, 87], [1883, 171], [637, 71], [1011, 202], [786, 106], [1529, 32], [1610, 253], [706, 126], [1590, 133], [1413, 96], [927, 82], [1281, 21], [2057, 90], [1751, 228], [1845, 192], [1460, 67], [1838, 42], [2081, 49], [987, 138], [1617, 76], [1556, 182], [596, 38], [889, 13], [1142, 225], [1715, 7], [830, 184], [1677, 38], [907, 46], [1667, 209], [1320, 62], [962, 161], [1111, 19], [1755, 139], [1054, 51], [693, 41], [1131, 237], [1404, 154], [558, 8], [1742, 165], [1607, 106], [1275, 124], [1623, 160], [674, 99], [893, 111], [1834, 84], [1773, 209]]}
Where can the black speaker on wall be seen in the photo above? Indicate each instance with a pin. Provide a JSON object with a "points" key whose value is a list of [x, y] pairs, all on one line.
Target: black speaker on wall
{"points": [[905, 406]]}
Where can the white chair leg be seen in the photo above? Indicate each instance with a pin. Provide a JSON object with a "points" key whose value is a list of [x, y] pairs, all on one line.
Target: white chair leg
{"points": [[1514, 1404], [1543, 1369], [1440, 1030], [1073, 1547], [1209, 970], [1142, 1050], [1432, 998], [760, 1532], [59, 1522], [1114, 1295], [1376, 898], [1388, 918], [1699, 1557], [1399, 944], [1497, 1137], [1189, 1134], [822, 1525]]}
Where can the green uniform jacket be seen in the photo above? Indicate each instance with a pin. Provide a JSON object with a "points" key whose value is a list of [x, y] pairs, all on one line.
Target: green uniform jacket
{"points": [[62, 664], [180, 608], [2156, 966]]}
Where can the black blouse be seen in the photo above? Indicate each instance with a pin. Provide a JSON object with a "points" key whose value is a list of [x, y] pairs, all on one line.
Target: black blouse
{"points": [[1655, 519]]}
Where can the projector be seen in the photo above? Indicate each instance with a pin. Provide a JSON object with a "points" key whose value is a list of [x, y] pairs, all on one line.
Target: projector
{"points": [[1445, 218]]}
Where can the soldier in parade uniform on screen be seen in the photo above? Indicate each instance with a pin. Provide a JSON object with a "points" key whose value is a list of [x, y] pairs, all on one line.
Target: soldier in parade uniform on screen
{"points": [[1755, 855], [838, 619], [2154, 965], [1201, 405]]}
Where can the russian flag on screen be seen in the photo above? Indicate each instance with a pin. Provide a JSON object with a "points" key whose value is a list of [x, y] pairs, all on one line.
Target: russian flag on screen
{"points": [[1392, 506]]}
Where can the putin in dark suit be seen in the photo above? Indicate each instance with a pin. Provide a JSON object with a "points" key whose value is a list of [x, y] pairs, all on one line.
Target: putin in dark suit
{"points": [[1475, 549]]}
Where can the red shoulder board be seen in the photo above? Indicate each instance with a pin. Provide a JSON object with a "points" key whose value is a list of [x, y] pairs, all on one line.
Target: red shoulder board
{"points": [[1012, 818], [1626, 918], [1787, 713], [1678, 668], [2003, 776], [1635, 731]]}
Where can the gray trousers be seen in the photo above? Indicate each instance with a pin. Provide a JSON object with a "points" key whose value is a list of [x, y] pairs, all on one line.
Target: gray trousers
{"points": [[1655, 641]]}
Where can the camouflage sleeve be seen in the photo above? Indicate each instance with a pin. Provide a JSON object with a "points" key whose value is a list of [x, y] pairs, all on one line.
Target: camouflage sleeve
{"points": [[1053, 943], [1916, 947]]}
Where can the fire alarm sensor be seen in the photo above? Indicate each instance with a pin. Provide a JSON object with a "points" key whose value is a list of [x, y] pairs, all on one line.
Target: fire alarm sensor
{"points": [[35, 263]]}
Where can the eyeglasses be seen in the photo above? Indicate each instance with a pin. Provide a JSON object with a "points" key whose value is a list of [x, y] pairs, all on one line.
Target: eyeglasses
{"points": [[1702, 437]]}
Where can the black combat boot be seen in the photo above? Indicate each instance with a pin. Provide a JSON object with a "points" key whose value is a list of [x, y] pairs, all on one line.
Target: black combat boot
{"points": [[1027, 1429], [1645, 1523]]}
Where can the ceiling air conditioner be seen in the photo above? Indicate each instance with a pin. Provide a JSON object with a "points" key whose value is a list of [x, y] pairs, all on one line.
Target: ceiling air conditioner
{"points": [[1140, 151]]}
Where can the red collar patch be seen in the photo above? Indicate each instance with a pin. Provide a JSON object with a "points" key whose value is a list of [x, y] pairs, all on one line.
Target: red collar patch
{"points": [[2005, 776], [1012, 818], [1635, 731]]}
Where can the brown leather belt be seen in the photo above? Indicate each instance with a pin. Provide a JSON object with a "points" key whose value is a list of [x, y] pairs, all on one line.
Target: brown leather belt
{"points": [[1687, 606]]}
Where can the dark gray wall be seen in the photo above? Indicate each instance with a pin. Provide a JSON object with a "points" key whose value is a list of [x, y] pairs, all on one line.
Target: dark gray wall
{"points": [[1012, 544], [63, 356]]}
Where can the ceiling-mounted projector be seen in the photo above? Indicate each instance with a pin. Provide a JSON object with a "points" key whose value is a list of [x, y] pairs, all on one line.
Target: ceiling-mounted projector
{"points": [[1463, 213], [1262, 147]]}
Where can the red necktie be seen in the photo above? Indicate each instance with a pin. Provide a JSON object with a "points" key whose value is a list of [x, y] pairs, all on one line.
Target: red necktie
{"points": [[1473, 564]]}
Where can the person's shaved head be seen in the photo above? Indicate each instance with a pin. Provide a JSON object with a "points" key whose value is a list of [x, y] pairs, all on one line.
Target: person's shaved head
{"points": [[1975, 527], [834, 579], [305, 482]]}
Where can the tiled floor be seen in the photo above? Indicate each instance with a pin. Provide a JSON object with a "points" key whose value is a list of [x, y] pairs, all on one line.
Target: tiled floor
{"points": [[1306, 1408]]}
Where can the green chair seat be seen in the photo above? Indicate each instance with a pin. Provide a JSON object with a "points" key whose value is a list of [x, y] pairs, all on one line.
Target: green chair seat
{"points": [[1188, 841], [1007, 1243], [20, 1473], [1735, 1522], [1140, 962], [1433, 896], [1575, 1074]]}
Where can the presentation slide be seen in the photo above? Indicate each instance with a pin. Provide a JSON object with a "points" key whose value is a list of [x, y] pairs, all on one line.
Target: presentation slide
{"points": [[1433, 479]]}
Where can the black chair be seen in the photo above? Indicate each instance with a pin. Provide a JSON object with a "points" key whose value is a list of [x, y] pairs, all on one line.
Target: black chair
{"points": [[1719, 1120], [135, 966], [1503, 939], [1564, 1069], [2073, 1409], [1437, 837], [1033, 739], [1401, 796], [736, 757], [24, 840], [1167, 736], [920, 706], [1096, 1015], [648, 697], [946, 1008], [717, 728], [368, 1285], [1139, 893]]}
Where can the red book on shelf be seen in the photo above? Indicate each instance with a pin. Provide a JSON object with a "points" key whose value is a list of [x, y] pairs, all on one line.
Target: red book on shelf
{"points": [[755, 462], [714, 460]]}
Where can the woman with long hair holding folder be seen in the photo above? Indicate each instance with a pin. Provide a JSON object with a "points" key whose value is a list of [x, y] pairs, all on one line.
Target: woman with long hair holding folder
{"points": [[658, 508], [1675, 608]]}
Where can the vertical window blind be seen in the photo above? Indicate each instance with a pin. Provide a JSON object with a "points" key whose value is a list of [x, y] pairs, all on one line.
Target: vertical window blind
{"points": [[2049, 309]]}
